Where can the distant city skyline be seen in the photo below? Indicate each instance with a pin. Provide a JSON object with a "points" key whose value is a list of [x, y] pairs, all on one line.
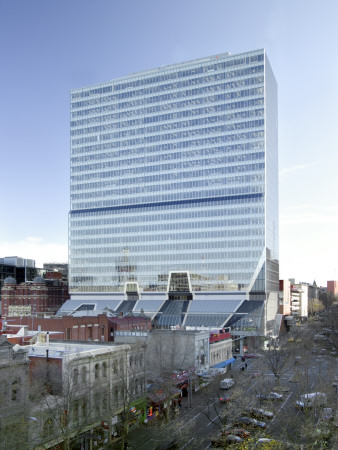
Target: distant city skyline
{"points": [[48, 49]]}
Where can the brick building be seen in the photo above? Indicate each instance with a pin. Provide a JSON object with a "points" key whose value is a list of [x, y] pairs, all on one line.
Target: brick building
{"points": [[332, 286], [85, 328], [37, 297]]}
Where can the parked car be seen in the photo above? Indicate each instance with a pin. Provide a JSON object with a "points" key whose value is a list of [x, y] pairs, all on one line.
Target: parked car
{"points": [[217, 442], [327, 414], [266, 442], [222, 440], [311, 400], [224, 399], [249, 421], [234, 438], [256, 374], [270, 396], [241, 432], [260, 413], [227, 383]]}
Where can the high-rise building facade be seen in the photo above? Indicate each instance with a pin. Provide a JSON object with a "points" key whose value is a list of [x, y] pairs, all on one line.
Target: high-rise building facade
{"points": [[176, 170]]}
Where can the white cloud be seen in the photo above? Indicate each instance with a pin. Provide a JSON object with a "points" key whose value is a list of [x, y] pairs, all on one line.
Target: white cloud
{"points": [[295, 168], [35, 248]]}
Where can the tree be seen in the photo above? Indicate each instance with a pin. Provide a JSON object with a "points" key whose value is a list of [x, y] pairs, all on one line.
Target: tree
{"points": [[126, 389], [330, 331], [60, 402], [169, 354], [277, 357]]}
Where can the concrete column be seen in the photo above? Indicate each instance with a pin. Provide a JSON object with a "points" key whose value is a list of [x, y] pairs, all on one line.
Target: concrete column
{"points": [[241, 343]]}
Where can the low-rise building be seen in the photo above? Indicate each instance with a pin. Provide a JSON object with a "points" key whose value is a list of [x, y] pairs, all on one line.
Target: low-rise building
{"points": [[14, 410], [332, 287], [179, 349], [57, 267], [32, 298], [284, 306], [101, 327], [299, 300], [220, 343], [83, 390]]}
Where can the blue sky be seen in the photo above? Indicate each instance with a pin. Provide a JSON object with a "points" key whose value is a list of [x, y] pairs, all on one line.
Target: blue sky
{"points": [[50, 47]]}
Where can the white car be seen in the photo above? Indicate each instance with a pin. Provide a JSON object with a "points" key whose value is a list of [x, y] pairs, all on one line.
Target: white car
{"points": [[270, 396], [234, 438], [260, 413], [313, 399]]}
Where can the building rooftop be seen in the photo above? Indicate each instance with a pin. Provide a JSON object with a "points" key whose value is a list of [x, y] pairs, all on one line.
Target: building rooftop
{"points": [[71, 350], [206, 310]]}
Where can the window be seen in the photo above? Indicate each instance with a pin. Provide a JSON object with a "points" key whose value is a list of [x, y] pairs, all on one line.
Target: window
{"points": [[97, 371], [15, 390], [76, 411], [116, 396], [97, 399], [83, 408], [104, 369], [84, 375], [75, 376]]}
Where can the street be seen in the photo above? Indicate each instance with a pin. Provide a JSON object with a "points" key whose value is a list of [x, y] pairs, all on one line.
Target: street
{"points": [[195, 426]]}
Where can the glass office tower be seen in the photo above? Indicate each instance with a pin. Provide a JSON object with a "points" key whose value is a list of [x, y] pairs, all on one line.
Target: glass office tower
{"points": [[176, 170]]}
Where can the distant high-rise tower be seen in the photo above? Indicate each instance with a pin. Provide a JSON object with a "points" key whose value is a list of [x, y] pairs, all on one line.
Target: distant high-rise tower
{"points": [[176, 170]]}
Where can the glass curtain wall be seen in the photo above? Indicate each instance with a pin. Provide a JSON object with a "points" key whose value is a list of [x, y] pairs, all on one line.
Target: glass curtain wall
{"points": [[169, 173]]}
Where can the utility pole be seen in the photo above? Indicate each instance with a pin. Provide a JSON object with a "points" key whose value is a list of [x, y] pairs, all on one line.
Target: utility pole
{"points": [[189, 390]]}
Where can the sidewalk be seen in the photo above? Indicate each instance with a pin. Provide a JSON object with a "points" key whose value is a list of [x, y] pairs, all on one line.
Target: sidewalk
{"points": [[146, 437]]}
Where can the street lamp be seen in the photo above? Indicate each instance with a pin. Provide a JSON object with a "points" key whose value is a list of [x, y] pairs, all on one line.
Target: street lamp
{"points": [[146, 424]]}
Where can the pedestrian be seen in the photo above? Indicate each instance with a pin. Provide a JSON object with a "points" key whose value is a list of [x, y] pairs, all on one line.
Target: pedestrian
{"points": [[246, 366]]}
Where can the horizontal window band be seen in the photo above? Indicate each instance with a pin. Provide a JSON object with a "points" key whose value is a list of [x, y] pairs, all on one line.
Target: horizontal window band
{"points": [[168, 203]]}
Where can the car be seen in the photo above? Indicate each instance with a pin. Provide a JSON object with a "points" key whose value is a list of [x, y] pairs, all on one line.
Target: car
{"points": [[313, 399], [256, 374], [227, 383], [233, 438], [241, 432], [224, 399], [260, 413], [319, 337], [269, 443], [249, 421], [217, 443], [270, 396], [327, 414]]}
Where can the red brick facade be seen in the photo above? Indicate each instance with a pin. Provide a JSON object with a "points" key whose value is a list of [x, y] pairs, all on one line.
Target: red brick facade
{"points": [[332, 286], [37, 297], [87, 328]]}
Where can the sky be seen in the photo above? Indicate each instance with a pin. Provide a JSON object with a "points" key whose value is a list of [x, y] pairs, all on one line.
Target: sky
{"points": [[49, 47]]}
